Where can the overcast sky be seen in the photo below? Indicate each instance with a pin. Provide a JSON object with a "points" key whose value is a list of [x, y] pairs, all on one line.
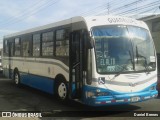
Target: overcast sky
{"points": [[17, 15]]}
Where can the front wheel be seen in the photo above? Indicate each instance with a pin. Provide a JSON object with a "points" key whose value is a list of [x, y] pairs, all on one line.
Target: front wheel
{"points": [[61, 90]]}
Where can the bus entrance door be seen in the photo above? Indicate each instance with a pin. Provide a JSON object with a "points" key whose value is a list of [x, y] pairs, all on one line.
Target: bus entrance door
{"points": [[76, 72]]}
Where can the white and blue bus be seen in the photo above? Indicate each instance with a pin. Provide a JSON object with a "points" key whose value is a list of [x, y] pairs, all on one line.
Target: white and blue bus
{"points": [[99, 60]]}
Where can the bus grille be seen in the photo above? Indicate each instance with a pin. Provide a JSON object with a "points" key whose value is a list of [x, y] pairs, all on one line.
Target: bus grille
{"points": [[133, 76]]}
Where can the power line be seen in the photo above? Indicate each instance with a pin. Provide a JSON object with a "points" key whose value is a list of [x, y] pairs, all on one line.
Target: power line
{"points": [[113, 7], [140, 8], [48, 4], [122, 7], [127, 5], [25, 11], [23, 16], [33, 12], [101, 7], [146, 11]]}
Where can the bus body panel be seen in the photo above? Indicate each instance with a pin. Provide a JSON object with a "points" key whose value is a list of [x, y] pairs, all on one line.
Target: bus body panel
{"points": [[127, 82], [42, 83]]}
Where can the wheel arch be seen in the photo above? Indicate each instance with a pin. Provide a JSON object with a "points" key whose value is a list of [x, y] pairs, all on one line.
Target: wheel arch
{"points": [[16, 69], [60, 77]]}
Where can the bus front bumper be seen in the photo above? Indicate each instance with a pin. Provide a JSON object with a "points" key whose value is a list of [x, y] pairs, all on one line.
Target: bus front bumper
{"points": [[116, 99]]}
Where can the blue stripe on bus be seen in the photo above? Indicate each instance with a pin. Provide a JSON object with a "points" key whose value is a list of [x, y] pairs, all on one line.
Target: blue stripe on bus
{"points": [[38, 82]]}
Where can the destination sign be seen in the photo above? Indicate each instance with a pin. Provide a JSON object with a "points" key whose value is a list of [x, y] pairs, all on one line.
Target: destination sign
{"points": [[120, 20]]}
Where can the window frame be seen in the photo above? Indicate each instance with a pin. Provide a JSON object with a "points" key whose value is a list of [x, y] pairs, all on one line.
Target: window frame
{"points": [[40, 45], [5, 47], [22, 48], [15, 46], [53, 46], [64, 39]]}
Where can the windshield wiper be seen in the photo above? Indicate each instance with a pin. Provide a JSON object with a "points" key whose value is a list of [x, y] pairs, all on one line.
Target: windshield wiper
{"points": [[132, 59], [145, 64], [124, 67]]}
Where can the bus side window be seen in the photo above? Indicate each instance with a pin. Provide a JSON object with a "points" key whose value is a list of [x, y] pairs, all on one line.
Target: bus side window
{"points": [[25, 48], [11, 48], [5, 52], [62, 42], [36, 45], [47, 44], [17, 47]]}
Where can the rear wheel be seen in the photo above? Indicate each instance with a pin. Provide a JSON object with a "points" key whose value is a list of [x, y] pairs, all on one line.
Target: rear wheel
{"points": [[17, 78]]}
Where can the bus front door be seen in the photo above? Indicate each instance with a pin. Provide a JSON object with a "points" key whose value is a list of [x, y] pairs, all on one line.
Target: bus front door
{"points": [[76, 72]]}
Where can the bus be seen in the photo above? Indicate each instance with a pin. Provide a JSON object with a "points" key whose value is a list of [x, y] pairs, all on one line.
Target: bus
{"points": [[96, 60]]}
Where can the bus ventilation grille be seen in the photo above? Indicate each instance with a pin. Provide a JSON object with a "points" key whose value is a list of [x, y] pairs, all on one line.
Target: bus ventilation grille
{"points": [[133, 76]]}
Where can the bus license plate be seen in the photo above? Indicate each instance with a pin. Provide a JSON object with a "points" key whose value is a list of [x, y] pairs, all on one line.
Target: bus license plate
{"points": [[135, 99]]}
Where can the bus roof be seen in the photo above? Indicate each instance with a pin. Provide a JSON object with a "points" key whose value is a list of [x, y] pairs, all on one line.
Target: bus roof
{"points": [[90, 22]]}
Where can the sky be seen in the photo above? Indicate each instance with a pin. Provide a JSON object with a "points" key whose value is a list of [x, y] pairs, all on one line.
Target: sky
{"points": [[18, 15]]}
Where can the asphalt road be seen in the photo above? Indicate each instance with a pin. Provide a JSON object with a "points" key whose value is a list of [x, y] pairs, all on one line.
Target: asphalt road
{"points": [[13, 98]]}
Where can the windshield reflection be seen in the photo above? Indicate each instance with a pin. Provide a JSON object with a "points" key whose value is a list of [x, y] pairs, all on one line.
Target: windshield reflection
{"points": [[122, 48]]}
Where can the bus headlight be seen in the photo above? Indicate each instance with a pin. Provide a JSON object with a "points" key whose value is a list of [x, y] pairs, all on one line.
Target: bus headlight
{"points": [[96, 94], [102, 94]]}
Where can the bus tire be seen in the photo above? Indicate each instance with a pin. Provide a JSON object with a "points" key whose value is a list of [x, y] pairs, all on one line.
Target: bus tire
{"points": [[16, 78], [61, 90]]}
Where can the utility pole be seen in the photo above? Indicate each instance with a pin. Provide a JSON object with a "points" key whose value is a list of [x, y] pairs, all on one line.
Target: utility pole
{"points": [[108, 7]]}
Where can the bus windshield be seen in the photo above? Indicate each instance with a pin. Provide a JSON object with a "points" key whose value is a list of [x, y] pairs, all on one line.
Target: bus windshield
{"points": [[123, 48]]}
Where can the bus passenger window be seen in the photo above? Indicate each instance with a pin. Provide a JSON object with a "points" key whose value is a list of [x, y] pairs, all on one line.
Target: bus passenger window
{"points": [[62, 42], [47, 44], [36, 45], [17, 47], [5, 48], [25, 48]]}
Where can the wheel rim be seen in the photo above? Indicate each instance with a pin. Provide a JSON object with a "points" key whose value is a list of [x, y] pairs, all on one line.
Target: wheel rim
{"points": [[62, 91], [16, 78]]}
